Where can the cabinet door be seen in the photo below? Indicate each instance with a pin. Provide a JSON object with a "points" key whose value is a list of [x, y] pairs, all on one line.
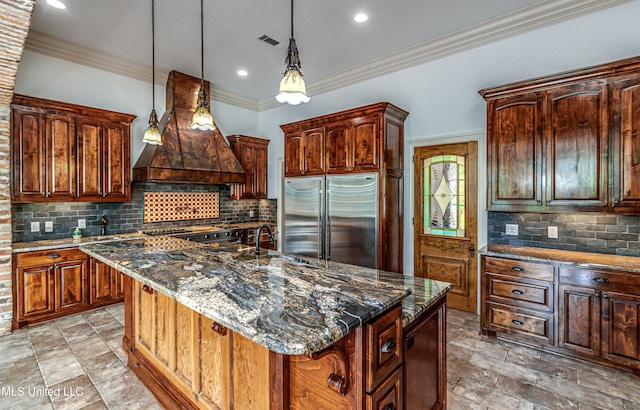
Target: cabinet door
{"points": [[579, 319], [60, 161], [621, 328], [514, 134], [35, 291], [28, 155], [577, 146], [116, 162], [366, 144], [248, 155], [625, 110], [339, 148], [71, 285], [293, 155], [105, 284], [260, 189], [313, 142], [90, 164]]}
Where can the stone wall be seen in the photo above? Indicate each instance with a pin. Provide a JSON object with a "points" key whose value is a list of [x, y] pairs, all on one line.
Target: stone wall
{"points": [[15, 19]]}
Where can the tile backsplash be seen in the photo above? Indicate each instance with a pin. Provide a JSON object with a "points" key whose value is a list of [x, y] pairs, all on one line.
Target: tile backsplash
{"points": [[582, 232], [126, 217]]}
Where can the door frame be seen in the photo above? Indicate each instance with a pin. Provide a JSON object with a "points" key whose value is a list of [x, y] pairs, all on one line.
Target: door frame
{"points": [[481, 217]]}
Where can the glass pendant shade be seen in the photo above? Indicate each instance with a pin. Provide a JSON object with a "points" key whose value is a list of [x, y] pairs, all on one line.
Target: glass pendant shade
{"points": [[202, 118], [292, 88], [152, 134]]}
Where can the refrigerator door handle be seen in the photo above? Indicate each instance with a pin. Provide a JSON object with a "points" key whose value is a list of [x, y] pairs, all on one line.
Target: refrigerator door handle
{"points": [[320, 223]]}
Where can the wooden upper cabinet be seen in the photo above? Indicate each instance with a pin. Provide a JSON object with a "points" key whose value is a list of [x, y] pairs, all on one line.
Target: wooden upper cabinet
{"points": [[353, 145], [577, 146], [304, 152], [514, 131], [625, 132], [66, 152], [253, 155]]}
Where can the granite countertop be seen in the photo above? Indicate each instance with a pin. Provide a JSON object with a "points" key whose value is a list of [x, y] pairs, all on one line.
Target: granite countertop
{"points": [[47, 244], [582, 259], [288, 305]]}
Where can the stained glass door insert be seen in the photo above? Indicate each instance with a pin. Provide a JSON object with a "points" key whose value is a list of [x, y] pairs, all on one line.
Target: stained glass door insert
{"points": [[444, 195]]}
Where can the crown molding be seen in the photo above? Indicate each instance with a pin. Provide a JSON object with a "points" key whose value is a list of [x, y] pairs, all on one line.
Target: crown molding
{"points": [[53, 47], [539, 15], [545, 13]]}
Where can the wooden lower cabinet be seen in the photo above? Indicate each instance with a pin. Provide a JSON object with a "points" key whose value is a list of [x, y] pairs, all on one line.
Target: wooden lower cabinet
{"points": [[191, 362], [597, 316], [57, 282]]}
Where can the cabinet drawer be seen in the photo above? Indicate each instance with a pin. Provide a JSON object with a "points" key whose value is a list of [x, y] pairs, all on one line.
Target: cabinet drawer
{"points": [[389, 395], [527, 293], [626, 282], [384, 347], [37, 258], [521, 322], [514, 267]]}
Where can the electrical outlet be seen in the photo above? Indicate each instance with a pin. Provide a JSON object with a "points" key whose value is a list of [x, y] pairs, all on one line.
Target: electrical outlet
{"points": [[552, 232], [35, 226], [511, 229], [252, 214], [48, 226], [82, 223]]}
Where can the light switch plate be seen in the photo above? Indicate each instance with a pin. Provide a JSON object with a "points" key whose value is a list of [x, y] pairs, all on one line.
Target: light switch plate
{"points": [[82, 223], [552, 232], [48, 226], [511, 229], [35, 226]]}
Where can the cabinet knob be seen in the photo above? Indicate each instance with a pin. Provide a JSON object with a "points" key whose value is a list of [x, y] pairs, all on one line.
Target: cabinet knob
{"points": [[548, 201], [616, 202], [597, 294], [605, 296], [337, 383], [147, 289], [517, 268], [219, 329], [388, 346], [54, 255], [539, 201], [601, 280], [517, 322], [517, 292]]}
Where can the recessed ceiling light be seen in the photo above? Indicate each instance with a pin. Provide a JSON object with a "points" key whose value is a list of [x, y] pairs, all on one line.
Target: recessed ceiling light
{"points": [[243, 73], [57, 4], [361, 18]]}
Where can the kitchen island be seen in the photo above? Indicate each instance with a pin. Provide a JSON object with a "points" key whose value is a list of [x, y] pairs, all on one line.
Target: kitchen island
{"points": [[215, 326]]}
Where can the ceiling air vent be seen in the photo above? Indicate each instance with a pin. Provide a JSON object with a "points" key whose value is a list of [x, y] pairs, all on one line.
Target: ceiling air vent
{"points": [[267, 39]]}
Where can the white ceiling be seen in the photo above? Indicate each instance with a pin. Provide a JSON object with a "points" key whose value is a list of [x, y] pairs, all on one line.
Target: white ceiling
{"points": [[331, 44]]}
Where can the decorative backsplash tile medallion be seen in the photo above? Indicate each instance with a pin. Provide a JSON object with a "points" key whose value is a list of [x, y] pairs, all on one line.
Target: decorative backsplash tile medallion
{"points": [[180, 206]]}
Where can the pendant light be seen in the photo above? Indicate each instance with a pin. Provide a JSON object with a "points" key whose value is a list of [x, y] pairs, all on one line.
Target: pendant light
{"points": [[202, 118], [292, 88], [152, 134]]}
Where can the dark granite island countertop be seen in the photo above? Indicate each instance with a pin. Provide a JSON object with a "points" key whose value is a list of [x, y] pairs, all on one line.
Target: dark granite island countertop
{"points": [[288, 305]]}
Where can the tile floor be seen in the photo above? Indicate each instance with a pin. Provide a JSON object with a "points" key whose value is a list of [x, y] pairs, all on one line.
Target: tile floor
{"points": [[76, 362]]}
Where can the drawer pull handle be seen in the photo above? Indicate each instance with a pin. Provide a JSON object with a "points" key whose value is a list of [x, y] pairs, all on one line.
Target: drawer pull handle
{"points": [[219, 329], [601, 280], [389, 406], [517, 322], [54, 255], [517, 268], [389, 346], [605, 296], [147, 289], [517, 292]]}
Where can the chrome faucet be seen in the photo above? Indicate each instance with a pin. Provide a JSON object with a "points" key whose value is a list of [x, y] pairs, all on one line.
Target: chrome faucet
{"points": [[103, 225], [258, 237]]}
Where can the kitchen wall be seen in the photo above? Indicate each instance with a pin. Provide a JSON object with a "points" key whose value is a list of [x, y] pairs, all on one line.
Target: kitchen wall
{"points": [[127, 217], [583, 232], [442, 95]]}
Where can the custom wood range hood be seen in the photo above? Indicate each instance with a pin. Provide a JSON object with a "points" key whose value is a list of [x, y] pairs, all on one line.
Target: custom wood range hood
{"points": [[187, 155]]}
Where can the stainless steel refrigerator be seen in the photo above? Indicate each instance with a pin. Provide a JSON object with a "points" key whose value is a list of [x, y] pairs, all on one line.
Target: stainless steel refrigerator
{"points": [[333, 218]]}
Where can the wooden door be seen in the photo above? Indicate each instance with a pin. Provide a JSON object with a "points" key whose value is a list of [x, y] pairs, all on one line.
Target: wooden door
{"points": [[28, 155], [514, 141], [445, 227], [339, 148], [577, 146], [61, 156], [313, 149], [579, 319], [625, 112], [37, 291], [71, 285], [90, 166], [621, 328], [365, 136], [293, 155], [117, 168]]}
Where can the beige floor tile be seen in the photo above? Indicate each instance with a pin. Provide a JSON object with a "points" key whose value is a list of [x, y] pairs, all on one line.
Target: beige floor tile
{"points": [[576, 392], [103, 367], [76, 393], [546, 366], [458, 402], [89, 347], [61, 368], [78, 332], [600, 383], [515, 371], [478, 392], [542, 398], [126, 391]]}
